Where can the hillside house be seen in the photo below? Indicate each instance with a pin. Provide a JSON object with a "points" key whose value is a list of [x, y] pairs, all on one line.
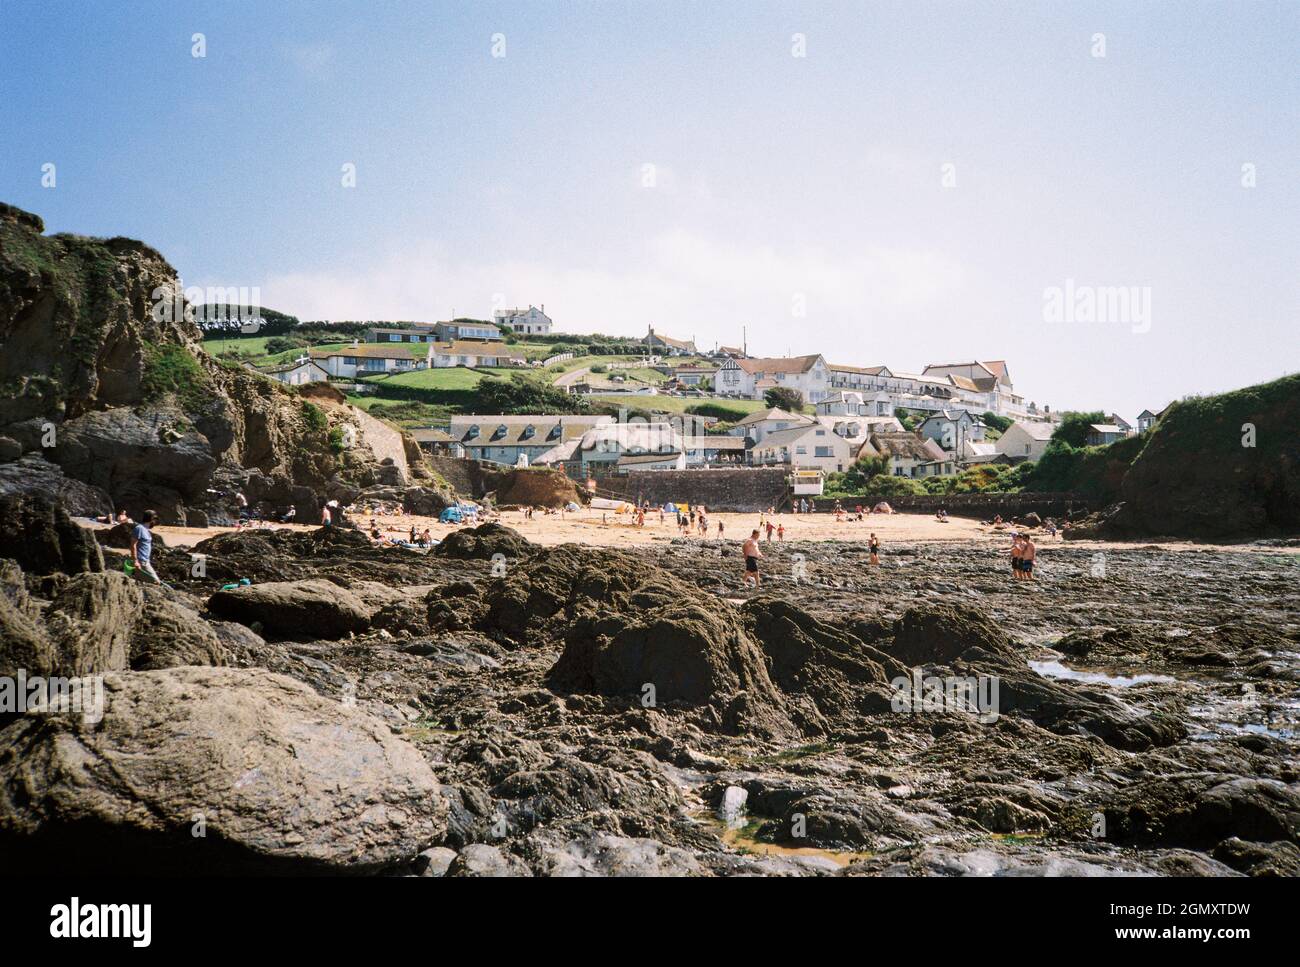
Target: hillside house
{"points": [[1101, 434], [667, 345], [757, 425], [1146, 420], [303, 370], [465, 329], [1025, 440], [952, 429], [532, 321], [415, 332], [369, 359], [910, 455], [504, 438], [811, 446], [749, 379], [474, 354]]}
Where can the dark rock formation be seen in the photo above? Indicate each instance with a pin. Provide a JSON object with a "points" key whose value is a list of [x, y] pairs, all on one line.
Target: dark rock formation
{"points": [[295, 609], [42, 538], [214, 770]]}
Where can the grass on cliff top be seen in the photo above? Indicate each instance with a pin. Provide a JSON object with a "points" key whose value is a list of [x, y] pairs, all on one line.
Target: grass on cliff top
{"points": [[173, 369]]}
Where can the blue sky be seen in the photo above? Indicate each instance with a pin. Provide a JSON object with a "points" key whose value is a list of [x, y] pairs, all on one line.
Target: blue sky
{"points": [[801, 197]]}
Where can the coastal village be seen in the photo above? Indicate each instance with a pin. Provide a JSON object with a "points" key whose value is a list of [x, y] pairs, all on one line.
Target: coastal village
{"points": [[808, 415]]}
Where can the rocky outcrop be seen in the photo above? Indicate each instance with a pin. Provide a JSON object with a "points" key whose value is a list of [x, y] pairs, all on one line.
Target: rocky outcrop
{"points": [[34, 475], [42, 538], [214, 770], [1218, 467], [484, 541], [295, 609], [102, 371]]}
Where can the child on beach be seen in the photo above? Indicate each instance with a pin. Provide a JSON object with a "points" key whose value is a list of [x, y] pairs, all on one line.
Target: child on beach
{"points": [[874, 546]]}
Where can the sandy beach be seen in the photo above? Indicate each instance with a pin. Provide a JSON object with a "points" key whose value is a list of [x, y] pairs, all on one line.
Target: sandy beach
{"points": [[607, 529]]}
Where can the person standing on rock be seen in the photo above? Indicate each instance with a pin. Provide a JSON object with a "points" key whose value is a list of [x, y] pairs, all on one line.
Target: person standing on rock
{"points": [[752, 554], [874, 547], [142, 549], [1027, 553], [325, 516]]}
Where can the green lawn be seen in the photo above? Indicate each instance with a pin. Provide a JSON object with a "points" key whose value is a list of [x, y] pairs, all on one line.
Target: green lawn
{"points": [[448, 377]]}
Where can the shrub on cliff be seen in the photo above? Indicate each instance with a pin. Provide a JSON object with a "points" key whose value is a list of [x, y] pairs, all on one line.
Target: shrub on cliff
{"points": [[174, 369]]}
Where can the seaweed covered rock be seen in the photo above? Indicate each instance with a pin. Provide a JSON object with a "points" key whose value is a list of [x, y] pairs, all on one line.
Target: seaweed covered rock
{"points": [[300, 610], [939, 634], [484, 541], [279, 779]]}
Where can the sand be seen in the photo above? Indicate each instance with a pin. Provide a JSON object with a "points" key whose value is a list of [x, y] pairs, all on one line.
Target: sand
{"points": [[608, 529]]}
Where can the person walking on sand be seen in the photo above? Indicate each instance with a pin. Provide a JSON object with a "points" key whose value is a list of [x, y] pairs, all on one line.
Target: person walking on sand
{"points": [[874, 547], [720, 528], [325, 516], [142, 549], [752, 554], [770, 527], [780, 533]]}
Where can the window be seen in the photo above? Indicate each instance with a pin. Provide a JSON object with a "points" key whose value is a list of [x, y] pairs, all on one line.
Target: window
{"points": [[825, 452], [394, 337]]}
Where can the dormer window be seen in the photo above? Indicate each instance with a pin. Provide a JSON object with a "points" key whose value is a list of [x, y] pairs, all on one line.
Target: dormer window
{"points": [[472, 432]]}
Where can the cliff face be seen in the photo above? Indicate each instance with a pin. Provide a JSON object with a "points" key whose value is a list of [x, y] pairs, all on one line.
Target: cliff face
{"points": [[1198, 478], [103, 380]]}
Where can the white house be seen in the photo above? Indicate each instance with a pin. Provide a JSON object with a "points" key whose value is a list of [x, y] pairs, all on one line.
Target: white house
{"points": [[953, 429], [304, 370], [532, 321], [809, 376], [757, 425], [366, 360], [990, 379], [849, 403], [1146, 420], [474, 354], [812, 446], [1025, 439]]}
